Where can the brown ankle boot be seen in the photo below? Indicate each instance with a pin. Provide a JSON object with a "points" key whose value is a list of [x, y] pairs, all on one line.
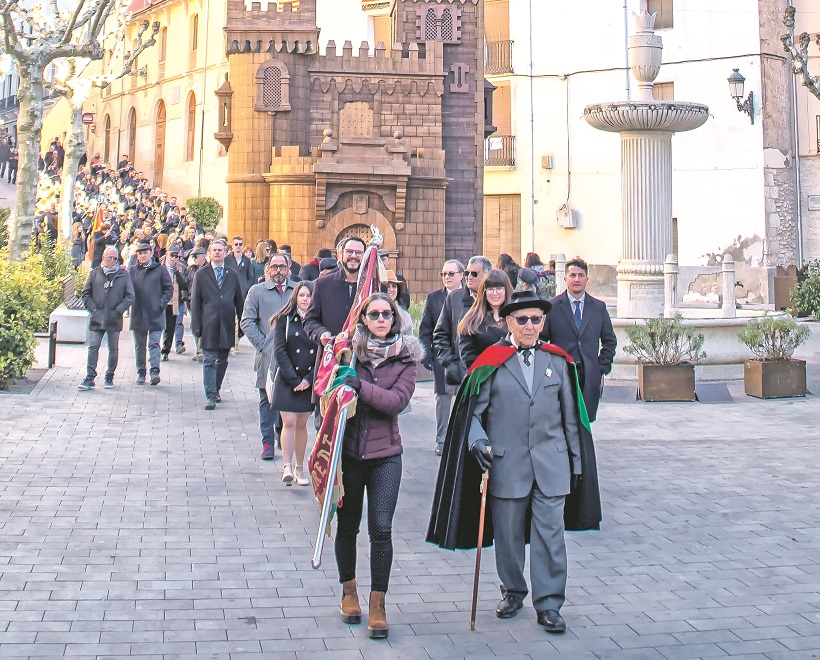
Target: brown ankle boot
{"points": [[377, 628], [350, 610]]}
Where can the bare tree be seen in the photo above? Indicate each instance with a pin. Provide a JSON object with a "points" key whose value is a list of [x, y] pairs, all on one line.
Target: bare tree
{"points": [[799, 53], [34, 38], [76, 90]]}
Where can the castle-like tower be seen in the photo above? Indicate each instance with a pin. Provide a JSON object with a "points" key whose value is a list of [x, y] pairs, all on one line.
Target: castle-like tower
{"points": [[391, 135]]}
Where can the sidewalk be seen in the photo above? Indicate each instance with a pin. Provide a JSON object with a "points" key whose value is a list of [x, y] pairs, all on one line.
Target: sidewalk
{"points": [[134, 523]]}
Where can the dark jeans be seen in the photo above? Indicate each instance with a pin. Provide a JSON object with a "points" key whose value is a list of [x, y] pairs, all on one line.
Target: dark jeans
{"points": [[94, 341], [170, 329], [147, 339], [12, 173], [179, 331], [214, 366], [3, 165], [267, 417], [381, 478]]}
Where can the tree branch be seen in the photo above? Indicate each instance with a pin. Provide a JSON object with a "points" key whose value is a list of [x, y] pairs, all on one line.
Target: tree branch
{"points": [[799, 55], [72, 22]]}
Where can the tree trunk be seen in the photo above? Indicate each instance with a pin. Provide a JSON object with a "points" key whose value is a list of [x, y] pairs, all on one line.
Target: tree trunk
{"points": [[74, 150], [29, 127]]}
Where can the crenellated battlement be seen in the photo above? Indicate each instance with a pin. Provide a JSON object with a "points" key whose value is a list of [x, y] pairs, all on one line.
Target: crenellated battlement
{"points": [[271, 25], [401, 59], [283, 10]]}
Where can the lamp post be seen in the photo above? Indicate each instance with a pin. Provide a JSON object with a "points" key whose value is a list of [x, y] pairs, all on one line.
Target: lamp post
{"points": [[736, 87]]}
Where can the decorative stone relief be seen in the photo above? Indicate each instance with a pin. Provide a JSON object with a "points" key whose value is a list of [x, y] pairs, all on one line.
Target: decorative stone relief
{"points": [[460, 84], [360, 204]]}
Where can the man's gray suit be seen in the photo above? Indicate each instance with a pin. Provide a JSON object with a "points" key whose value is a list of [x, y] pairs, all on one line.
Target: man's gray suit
{"points": [[535, 444]]}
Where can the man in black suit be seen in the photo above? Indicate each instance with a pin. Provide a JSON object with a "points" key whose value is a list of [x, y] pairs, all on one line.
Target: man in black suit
{"points": [[237, 261], [456, 306], [295, 266], [452, 274], [580, 324], [216, 305]]}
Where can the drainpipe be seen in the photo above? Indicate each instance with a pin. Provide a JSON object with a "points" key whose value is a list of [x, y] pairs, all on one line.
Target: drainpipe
{"points": [[204, 91], [532, 139], [798, 186], [626, 51]]}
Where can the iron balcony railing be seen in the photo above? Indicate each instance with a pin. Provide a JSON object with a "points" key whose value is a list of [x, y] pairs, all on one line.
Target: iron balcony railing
{"points": [[498, 59], [499, 150]]}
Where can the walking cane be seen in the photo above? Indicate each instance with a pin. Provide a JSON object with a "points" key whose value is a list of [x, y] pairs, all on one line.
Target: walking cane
{"points": [[483, 487]]}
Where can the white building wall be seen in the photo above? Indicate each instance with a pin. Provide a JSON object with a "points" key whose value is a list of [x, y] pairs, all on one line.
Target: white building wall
{"points": [[718, 169]]}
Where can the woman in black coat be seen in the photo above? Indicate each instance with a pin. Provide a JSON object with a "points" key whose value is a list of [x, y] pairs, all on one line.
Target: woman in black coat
{"points": [[295, 357], [483, 326]]}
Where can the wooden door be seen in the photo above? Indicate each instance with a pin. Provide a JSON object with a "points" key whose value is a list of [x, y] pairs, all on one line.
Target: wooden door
{"points": [[159, 153], [502, 226]]}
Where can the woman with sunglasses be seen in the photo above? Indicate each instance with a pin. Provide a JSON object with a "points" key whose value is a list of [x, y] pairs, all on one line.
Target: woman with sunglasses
{"points": [[483, 326], [371, 454], [295, 356]]}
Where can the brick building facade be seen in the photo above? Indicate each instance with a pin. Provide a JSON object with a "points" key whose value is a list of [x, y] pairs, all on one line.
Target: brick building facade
{"points": [[322, 146]]}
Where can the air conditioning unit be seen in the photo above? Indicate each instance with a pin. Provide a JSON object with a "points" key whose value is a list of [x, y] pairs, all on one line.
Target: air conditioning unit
{"points": [[566, 217]]}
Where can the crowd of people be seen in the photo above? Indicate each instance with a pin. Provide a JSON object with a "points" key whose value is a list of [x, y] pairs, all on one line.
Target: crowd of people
{"points": [[149, 257]]}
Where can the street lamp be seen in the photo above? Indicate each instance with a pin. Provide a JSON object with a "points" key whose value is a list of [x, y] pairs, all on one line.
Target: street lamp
{"points": [[736, 84]]}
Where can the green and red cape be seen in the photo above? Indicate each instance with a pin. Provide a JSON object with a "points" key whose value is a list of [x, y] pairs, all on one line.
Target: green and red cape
{"points": [[457, 500]]}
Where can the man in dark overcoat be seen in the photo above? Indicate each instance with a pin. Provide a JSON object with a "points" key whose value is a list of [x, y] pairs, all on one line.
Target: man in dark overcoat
{"points": [[216, 306], [241, 264], [580, 324], [452, 275]]}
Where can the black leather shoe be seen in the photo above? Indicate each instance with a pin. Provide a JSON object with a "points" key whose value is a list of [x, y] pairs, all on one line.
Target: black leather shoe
{"points": [[210, 404], [552, 621], [508, 606]]}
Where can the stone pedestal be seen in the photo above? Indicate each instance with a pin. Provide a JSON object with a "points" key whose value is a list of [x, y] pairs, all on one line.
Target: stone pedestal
{"points": [[646, 198], [72, 325]]}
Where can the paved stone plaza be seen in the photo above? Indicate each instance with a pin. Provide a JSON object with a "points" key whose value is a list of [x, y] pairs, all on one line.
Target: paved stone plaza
{"points": [[135, 523]]}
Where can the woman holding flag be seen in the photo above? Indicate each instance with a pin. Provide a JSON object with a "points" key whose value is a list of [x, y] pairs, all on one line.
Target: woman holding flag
{"points": [[385, 379]]}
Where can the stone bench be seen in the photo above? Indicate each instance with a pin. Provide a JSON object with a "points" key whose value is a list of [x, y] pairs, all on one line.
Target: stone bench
{"points": [[71, 316]]}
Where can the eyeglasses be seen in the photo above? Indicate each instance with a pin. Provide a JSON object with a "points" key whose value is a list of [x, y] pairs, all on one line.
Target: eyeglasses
{"points": [[385, 314], [278, 267], [354, 253], [535, 320], [450, 274], [495, 289], [473, 273]]}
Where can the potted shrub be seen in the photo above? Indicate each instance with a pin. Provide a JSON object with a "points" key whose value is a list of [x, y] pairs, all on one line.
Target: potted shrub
{"points": [[774, 374], [806, 295], [666, 351]]}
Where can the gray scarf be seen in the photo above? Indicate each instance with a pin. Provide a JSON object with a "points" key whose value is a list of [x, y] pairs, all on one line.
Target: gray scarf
{"points": [[110, 271]]}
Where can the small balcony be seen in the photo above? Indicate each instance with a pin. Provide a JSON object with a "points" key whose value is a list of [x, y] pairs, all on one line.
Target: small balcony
{"points": [[498, 58], [499, 151]]}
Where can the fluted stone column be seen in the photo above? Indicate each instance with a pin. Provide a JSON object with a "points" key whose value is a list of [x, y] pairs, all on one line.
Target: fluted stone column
{"points": [[670, 274], [729, 306], [646, 197]]}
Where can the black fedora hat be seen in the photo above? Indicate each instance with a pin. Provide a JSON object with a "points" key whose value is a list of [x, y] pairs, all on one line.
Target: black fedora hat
{"points": [[525, 300]]}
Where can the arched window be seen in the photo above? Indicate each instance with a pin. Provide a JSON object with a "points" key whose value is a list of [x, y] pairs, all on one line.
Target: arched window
{"points": [[272, 87], [438, 24], [106, 137], [194, 32], [191, 127], [132, 134]]}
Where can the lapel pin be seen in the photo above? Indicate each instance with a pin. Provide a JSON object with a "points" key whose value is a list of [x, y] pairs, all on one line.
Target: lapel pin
{"points": [[549, 373]]}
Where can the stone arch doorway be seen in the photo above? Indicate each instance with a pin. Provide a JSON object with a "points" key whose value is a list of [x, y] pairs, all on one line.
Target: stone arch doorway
{"points": [[159, 151]]}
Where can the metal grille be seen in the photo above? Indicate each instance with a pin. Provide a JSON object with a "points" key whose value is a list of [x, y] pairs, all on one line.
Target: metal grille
{"points": [[431, 26], [272, 88], [447, 25]]}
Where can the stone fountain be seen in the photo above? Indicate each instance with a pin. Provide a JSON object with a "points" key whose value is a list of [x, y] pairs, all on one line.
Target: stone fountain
{"points": [[646, 127]]}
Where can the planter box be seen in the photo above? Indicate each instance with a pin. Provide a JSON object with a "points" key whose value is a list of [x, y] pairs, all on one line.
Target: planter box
{"points": [[774, 379], [666, 382]]}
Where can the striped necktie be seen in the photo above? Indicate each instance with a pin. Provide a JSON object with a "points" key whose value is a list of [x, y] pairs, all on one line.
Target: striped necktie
{"points": [[577, 304], [219, 272]]}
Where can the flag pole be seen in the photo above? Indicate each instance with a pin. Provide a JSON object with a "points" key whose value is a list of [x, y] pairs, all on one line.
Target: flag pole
{"points": [[484, 479]]}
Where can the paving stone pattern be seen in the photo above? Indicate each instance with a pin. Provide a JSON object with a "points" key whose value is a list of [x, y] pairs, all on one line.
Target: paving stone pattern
{"points": [[133, 523]]}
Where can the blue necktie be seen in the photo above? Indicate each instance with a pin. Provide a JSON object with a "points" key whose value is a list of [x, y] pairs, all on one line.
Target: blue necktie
{"points": [[219, 274], [577, 304]]}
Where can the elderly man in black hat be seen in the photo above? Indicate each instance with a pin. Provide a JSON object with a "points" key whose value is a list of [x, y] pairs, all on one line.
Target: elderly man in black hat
{"points": [[518, 416]]}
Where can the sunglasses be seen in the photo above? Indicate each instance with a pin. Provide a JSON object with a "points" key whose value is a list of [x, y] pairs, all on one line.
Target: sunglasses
{"points": [[535, 320], [450, 274], [238, 244], [473, 273], [385, 314]]}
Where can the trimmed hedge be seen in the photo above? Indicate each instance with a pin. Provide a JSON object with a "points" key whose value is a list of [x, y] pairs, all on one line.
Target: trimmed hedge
{"points": [[206, 210]]}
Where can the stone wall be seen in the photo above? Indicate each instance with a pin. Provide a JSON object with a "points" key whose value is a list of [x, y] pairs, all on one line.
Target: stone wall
{"points": [[810, 188]]}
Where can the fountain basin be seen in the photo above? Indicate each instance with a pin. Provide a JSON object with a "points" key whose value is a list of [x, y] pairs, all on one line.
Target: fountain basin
{"points": [[725, 354], [669, 116]]}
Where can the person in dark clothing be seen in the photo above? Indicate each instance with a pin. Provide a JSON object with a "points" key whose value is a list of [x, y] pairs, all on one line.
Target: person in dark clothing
{"points": [[310, 271], [457, 304], [5, 154], [153, 290], [14, 158], [452, 275], [176, 305], [101, 239], [371, 453], [108, 293], [216, 305], [404, 296], [506, 263], [483, 325], [241, 264], [295, 266]]}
